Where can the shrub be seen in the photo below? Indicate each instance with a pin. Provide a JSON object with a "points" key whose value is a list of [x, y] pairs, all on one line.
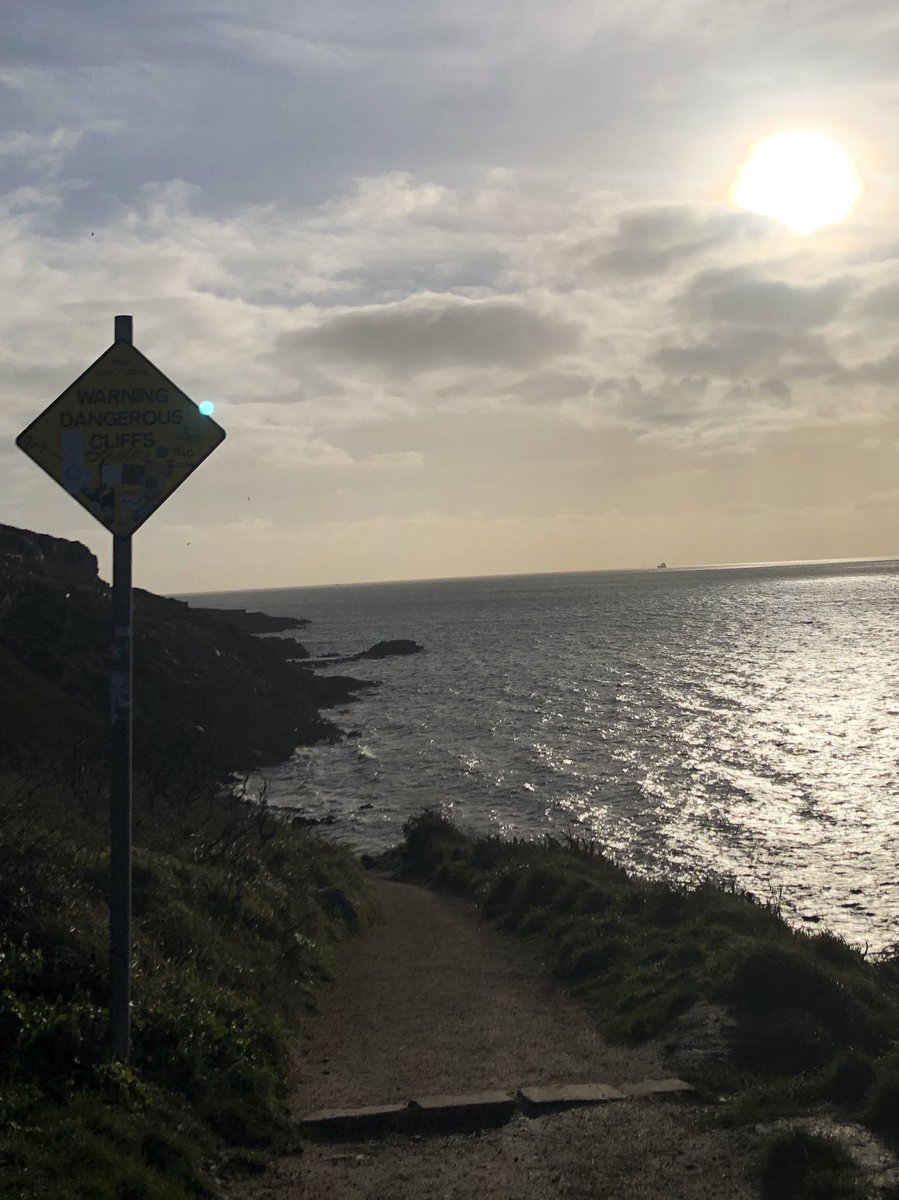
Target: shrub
{"points": [[882, 1109], [805, 1166]]}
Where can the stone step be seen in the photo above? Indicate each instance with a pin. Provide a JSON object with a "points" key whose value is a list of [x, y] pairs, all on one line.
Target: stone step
{"points": [[367, 1121], [657, 1087], [567, 1095], [477, 1110]]}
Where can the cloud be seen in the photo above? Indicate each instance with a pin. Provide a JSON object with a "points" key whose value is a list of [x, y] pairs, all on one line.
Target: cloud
{"points": [[323, 51], [882, 302], [551, 387], [393, 460], [880, 500], [739, 296], [883, 370], [332, 310], [737, 353], [298, 451], [667, 406], [649, 241], [39, 151], [428, 333], [689, 411], [381, 199]]}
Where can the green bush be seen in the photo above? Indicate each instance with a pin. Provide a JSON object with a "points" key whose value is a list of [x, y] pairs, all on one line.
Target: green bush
{"points": [[429, 842]]}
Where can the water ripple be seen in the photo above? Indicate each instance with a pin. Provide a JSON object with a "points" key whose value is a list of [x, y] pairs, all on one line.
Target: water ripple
{"points": [[738, 724]]}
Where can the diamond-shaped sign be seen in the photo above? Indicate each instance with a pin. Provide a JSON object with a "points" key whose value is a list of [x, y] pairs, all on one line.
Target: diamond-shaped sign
{"points": [[121, 439]]}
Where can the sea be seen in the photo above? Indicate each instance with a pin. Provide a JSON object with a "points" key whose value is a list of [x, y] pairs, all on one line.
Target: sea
{"points": [[737, 724]]}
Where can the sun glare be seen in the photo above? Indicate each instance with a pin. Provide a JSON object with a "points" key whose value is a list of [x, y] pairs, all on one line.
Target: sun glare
{"points": [[805, 180]]}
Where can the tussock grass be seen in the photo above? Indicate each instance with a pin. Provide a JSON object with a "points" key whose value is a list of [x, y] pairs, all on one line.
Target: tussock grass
{"points": [[807, 1166], [237, 920], [814, 1019]]}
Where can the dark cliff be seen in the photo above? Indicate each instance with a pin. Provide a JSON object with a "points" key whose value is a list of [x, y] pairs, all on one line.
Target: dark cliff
{"points": [[209, 697]]}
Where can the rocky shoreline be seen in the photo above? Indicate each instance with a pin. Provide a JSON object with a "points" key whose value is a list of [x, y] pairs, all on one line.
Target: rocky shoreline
{"points": [[388, 649], [253, 622], [214, 690]]}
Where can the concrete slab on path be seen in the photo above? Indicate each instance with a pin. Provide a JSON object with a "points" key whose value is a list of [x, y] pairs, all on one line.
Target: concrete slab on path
{"points": [[478, 1110], [540, 1099], [470, 1109], [346, 1122], [657, 1087]]}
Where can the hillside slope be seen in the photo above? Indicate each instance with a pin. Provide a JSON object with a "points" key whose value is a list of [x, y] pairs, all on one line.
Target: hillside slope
{"points": [[207, 693]]}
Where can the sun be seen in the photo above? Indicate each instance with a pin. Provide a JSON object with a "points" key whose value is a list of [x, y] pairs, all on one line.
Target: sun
{"points": [[805, 180]]}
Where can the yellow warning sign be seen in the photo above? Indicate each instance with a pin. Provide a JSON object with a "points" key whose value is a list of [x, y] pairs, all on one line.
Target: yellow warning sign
{"points": [[121, 439]]}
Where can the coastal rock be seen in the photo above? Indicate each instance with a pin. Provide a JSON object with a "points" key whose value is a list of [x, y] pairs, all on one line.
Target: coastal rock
{"points": [[389, 648], [292, 650], [331, 690], [303, 822], [253, 622], [22, 548], [386, 649]]}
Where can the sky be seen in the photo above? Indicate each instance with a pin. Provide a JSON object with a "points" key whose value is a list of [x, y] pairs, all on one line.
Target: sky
{"points": [[464, 281]]}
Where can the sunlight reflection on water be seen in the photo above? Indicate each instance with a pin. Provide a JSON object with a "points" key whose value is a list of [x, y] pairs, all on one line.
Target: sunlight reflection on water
{"points": [[740, 723]]}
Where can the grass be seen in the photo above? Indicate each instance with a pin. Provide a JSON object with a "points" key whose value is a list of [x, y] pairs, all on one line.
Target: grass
{"points": [[815, 1021], [237, 921]]}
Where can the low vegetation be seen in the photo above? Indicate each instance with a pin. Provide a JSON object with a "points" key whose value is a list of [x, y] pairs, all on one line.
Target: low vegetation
{"points": [[804, 1166], [813, 1021], [237, 915], [237, 921]]}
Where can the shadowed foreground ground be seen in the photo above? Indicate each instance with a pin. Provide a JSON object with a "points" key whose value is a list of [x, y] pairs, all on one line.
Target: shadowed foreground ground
{"points": [[436, 1001]]}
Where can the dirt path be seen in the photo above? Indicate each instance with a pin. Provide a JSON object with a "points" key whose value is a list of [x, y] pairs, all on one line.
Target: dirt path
{"points": [[435, 1001]]}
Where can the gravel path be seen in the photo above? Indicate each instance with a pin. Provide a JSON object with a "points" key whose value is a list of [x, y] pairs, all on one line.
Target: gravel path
{"points": [[436, 1001]]}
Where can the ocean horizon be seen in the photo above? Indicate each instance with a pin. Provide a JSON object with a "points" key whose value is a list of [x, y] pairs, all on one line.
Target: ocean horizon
{"points": [[203, 596]]}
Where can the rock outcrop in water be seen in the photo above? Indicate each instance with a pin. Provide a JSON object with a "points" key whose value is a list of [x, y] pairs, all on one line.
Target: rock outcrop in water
{"points": [[386, 649], [389, 648]]}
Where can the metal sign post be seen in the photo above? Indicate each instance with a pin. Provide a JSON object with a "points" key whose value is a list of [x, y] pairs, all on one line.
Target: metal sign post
{"points": [[120, 790], [120, 440], [120, 804]]}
